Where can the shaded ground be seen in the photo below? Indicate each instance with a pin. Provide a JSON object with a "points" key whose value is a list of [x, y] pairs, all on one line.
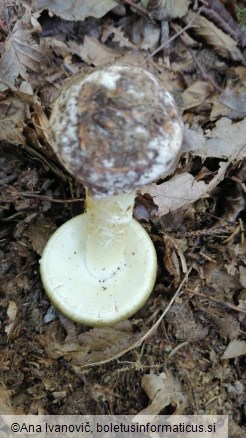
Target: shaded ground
{"points": [[51, 365]]}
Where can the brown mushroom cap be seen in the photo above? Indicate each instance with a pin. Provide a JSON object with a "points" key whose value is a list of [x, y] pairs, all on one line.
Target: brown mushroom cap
{"points": [[115, 129]]}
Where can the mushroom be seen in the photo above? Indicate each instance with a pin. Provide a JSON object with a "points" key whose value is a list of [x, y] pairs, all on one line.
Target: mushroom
{"points": [[113, 130]]}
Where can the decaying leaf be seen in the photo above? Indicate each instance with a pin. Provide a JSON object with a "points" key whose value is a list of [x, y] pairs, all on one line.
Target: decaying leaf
{"points": [[6, 407], [12, 116], [169, 9], [222, 43], [186, 328], [93, 52], [174, 255], [120, 38], [227, 139], [234, 349], [21, 52], [75, 10], [11, 312], [196, 94], [96, 346], [163, 389], [143, 34], [39, 233], [235, 101], [181, 190]]}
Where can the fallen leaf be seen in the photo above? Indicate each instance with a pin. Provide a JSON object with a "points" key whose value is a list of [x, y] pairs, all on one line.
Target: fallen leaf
{"points": [[229, 326], [20, 53], [172, 195], [11, 313], [234, 349], [120, 38], [196, 94], [179, 191], [235, 101], [169, 9], [93, 347], [226, 140], [39, 233], [5, 404], [222, 43], [93, 52], [162, 390], [12, 116], [75, 10], [242, 275]]}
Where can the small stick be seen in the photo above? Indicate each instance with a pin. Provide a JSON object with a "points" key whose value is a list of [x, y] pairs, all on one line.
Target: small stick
{"points": [[173, 37], [48, 198], [231, 306]]}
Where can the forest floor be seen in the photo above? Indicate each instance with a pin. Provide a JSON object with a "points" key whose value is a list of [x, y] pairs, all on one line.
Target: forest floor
{"points": [[189, 339]]}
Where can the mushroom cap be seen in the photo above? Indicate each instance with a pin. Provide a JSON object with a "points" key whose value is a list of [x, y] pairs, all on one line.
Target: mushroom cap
{"points": [[115, 129]]}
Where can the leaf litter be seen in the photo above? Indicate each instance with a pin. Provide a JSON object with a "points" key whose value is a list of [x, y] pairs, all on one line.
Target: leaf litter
{"points": [[190, 336]]}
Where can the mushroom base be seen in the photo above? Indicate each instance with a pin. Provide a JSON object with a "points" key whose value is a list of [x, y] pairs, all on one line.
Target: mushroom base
{"points": [[89, 300]]}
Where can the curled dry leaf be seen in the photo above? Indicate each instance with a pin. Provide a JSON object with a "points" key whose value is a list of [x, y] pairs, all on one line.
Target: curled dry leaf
{"points": [[222, 43], [11, 312], [20, 52], [163, 389], [75, 10]]}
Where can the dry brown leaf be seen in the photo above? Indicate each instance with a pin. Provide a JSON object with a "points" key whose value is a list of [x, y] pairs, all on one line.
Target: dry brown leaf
{"points": [[234, 349], [120, 38], [163, 389], [93, 52], [181, 190], [39, 233], [6, 407], [11, 312], [227, 139], [222, 43], [12, 116], [196, 94], [185, 327], [143, 34], [95, 346], [235, 101], [169, 9], [20, 52], [242, 274], [75, 10]]}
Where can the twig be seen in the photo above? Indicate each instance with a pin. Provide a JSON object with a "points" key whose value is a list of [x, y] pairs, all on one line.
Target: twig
{"points": [[204, 74], [224, 303], [161, 47], [48, 198]]}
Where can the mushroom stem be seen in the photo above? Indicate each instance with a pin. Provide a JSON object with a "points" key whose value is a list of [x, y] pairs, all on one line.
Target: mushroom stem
{"points": [[108, 221]]}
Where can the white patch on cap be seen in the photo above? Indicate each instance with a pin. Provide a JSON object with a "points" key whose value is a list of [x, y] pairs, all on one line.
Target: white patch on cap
{"points": [[107, 78]]}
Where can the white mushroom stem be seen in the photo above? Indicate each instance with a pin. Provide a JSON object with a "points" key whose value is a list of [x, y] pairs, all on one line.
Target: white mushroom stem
{"points": [[108, 221]]}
